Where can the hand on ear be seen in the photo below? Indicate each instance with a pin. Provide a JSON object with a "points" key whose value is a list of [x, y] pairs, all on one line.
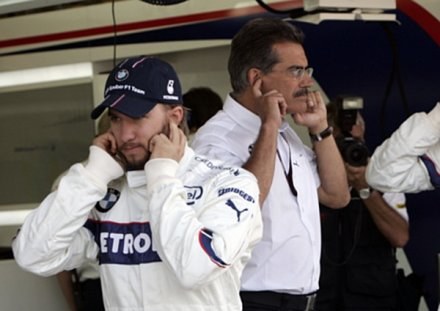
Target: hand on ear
{"points": [[172, 147]]}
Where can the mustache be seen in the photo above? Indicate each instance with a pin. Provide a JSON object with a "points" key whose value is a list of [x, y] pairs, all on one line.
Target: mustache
{"points": [[302, 92]]}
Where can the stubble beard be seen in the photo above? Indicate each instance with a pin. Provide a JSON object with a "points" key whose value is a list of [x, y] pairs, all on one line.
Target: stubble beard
{"points": [[133, 164]]}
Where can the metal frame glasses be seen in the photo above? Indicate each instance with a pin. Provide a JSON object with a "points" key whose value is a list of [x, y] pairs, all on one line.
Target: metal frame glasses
{"points": [[298, 72]]}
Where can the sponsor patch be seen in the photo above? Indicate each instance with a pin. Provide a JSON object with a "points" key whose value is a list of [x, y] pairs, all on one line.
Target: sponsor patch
{"points": [[110, 199], [123, 243], [122, 75], [233, 170], [170, 87], [193, 193], [235, 208], [240, 192]]}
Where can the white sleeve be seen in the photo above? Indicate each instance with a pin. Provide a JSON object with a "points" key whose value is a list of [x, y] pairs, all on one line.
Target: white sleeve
{"points": [[408, 161], [216, 146], [397, 201], [52, 237], [199, 246]]}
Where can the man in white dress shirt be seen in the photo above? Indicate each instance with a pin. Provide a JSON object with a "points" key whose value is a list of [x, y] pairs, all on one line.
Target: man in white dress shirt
{"points": [[270, 78]]}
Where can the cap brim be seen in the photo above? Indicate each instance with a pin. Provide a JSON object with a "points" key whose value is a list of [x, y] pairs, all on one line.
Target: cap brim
{"points": [[131, 106]]}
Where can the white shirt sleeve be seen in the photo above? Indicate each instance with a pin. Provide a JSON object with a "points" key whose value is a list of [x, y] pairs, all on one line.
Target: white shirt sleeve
{"points": [[198, 247], [397, 166], [53, 237]]}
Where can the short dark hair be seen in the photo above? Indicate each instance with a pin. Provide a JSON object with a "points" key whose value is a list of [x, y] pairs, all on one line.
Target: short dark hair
{"points": [[202, 103], [252, 46]]}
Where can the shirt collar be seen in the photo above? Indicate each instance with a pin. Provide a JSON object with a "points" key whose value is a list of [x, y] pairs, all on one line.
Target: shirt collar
{"points": [[241, 115], [249, 120], [136, 178]]}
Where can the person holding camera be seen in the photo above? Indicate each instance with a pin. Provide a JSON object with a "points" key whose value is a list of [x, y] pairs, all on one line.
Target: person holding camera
{"points": [[358, 264]]}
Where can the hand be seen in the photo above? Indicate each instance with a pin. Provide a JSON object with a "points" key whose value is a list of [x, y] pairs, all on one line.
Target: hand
{"points": [[107, 142], [315, 116], [356, 176], [173, 147], [271, 106]]}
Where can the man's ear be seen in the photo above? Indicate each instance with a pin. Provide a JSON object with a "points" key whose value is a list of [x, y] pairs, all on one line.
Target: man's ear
{"points": [[253, 75], [175, 114]]}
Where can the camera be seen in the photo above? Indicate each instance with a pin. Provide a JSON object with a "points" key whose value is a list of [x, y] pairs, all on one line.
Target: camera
{"points": [[353, 150]]}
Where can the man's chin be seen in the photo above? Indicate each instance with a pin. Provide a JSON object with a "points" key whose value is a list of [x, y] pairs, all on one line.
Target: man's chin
{"points": [[135, 165]]}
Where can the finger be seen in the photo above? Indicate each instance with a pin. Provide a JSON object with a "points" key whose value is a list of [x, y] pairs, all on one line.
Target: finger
{"points": [[319, 102], [318, 97], [283, 107], [311, 100], [182, 139], [153, 142], [256, 88], [273, 92], [112, 142], [174, 135]]}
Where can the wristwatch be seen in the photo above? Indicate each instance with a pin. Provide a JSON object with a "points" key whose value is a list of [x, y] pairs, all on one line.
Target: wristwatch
{"points": [[320, 136], [364, 193]]}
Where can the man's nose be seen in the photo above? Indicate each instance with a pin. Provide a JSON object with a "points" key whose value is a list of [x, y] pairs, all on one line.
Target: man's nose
{"points": [[306, 81], [127, 130]]}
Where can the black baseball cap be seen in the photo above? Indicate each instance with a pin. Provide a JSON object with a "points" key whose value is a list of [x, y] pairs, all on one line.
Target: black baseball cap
{"points": [[137, 84]]}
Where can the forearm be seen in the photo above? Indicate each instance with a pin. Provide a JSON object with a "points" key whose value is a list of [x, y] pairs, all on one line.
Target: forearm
{"points": [[333, 191], [52, 237], [393, 226], [66, 285], [261, 162]]}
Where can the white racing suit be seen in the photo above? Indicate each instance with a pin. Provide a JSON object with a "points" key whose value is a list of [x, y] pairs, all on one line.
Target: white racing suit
{"points": [[174, 236], [409, 161]]}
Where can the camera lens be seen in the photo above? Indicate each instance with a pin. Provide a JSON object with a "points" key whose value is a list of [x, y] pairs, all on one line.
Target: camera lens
{"points": [[353, 151]]}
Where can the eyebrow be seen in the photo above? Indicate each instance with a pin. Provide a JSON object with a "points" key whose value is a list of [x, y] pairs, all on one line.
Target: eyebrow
{"points": [[297, 67]]}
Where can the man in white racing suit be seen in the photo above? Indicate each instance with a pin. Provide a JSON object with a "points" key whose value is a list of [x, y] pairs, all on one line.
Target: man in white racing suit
{"points": [[171, 230], [409, 161]]}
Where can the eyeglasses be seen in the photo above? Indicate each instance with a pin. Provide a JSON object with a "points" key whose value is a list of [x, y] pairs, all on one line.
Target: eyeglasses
{"points": [[298, 72]]}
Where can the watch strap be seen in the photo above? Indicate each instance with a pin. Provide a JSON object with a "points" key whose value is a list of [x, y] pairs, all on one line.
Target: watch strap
{"points": [[320, 136]]}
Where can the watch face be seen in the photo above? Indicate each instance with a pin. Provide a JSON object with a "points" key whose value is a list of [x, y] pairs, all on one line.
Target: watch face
{"points": [[364, 193]]}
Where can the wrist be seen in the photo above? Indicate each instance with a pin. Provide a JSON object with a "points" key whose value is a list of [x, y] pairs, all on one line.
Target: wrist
{"points": [[103, 166], [364, 193], [318, 128], [368, 192], [328, 131]]}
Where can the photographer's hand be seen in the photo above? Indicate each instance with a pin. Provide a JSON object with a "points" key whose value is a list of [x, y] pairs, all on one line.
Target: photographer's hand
{"points": [[356, 176]]}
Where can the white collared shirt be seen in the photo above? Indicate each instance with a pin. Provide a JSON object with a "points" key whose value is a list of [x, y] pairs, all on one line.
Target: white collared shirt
{"points": [[287, 258]]}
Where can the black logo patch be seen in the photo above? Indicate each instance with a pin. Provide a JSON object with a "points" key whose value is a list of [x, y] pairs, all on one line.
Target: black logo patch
{"points": [[121, 75], [110, 199]]}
